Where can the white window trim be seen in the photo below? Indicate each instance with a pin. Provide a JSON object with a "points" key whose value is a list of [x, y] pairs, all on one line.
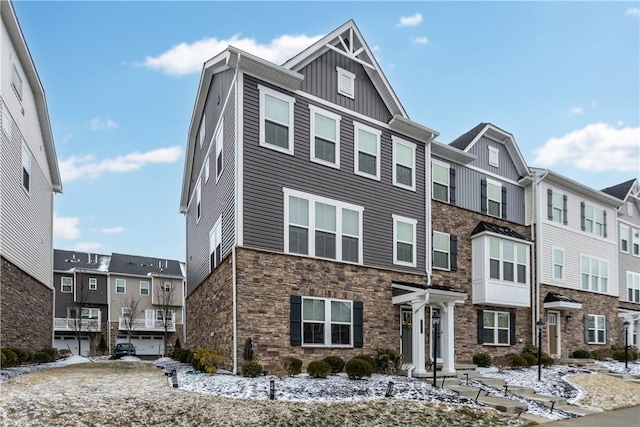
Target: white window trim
{"points": [[595, 329], [291, 100], [26, 152], [348, 74], [217, 227], [499, 184], [93, 283], [448, 183], [561, 207], [625, 236], [63, 284], [630, 209], [141, 287], [398, 141], [313, 111], [202, 130], [414, 223], [123, 311], [494, 153], [198, 201], [441, 251], [630, 278], [327, 323], [600, 275], [206, 169], [124, 286], [6, 122], [553, 264], [219, 140], [160, 315], [359, 126], [635, 240], [593, 220], [164, 286], [501, 260], [496, 328], [312, 199]]}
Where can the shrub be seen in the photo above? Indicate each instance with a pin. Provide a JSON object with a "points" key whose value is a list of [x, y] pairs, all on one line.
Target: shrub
{"points": [[251, 369], [530, 359], [207, 360], [504, 361], [602, 354], [9, 357], [52, 352], [482, 359], [65, 352], [531, 349], [387, 360], [23, 356], [102, 345], [41, 357], [547, 360], [177, 344], [367, 359], [581, 354], [518, 362], [619, 355], [318, 369], [358, 368], [188, 356], [335, 362], [292, 366]]}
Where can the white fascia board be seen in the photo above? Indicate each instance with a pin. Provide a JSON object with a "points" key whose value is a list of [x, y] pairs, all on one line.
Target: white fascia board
{"points": [[266, 70], [450, 153], [412, 129], [502, 237], [562, 305]]}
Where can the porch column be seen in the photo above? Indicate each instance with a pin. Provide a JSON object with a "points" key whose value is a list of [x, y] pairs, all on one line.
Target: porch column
{"points": [[448, 359], [633, 327], [417, 331]]}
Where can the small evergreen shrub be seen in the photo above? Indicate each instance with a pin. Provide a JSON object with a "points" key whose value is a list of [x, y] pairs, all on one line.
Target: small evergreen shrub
{"points": [[335, 362], [367, 359], [318, 369], [531, 349], [177, 344], [619, 355], [23, 356], [102, 346], [530, 359], [581, 354], [387, 360], [251, 369], [292, 366], [9, 357], [188, 356], [602, 354], [547, 360], [65, 352], [483, 360], [518, 362], [207, 360], [52, 352], [358, 368], [41, 357]]}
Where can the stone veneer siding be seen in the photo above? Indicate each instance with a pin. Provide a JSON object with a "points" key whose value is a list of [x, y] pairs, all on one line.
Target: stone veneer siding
{"points": [[460, 222], [26, 310]]}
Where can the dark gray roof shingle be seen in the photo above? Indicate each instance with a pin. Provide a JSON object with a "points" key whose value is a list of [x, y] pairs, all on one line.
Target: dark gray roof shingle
{"points": [[67, 260], [465, 139], [621, 190], [498, 229], [143, 266], [553, 297]]}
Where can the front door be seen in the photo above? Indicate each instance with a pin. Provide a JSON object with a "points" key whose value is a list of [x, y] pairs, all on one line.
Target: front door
{"points": [[149, 318], [554, 333], [407, 323]]}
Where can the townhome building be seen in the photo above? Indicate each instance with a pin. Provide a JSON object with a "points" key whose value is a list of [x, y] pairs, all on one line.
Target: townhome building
{"points": [[146, 302], [29, 178], [481, 245], [577, 273], [81, 304], [628, 218]]}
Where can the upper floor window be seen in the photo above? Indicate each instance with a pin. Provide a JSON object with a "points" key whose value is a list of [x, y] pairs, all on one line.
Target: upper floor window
{"points": [[26, 167], [440, 176], [126, 312], [90, 313], [507, 260], [327, 322], [595, 329], [162, 315], [66, 284], [215, 245], [492, 200], [321, 227], [635, 242], [494, 157], [219, 146], [624, 238], [346, 82], [93, 284], [594, 220], [276, 120], [558, 264], [121, 286], [629, 208], [206, 169], [404, 164], [325, 137], [144, 287], [6, 123], [443, 250], [594, 274], [367, 151], [557, 206], [201, 131], [198, 200], [404, 241], [167, 286], [633, 286], [16, 81]]}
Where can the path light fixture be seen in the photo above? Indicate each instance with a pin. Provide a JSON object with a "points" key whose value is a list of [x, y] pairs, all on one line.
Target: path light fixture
{"points": [[626, 344], [539, 325], [435, 320]]}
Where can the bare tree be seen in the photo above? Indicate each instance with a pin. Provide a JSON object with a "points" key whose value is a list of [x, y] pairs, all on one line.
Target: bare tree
{"points": [[78, 310], [131, 310], [164, 298]]}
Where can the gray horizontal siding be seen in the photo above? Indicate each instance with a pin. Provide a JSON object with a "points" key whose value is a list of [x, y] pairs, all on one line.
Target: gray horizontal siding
{"points": [[267, 171], [506, 167]]}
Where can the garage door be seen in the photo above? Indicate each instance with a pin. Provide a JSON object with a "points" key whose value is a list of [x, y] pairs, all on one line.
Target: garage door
{"points": [[145, 345], [71, 344]]}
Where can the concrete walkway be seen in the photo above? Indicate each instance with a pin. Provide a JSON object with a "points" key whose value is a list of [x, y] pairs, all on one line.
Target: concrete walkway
{"points": [[628, 417]]}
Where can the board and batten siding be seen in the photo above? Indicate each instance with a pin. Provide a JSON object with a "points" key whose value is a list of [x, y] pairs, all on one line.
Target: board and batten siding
{"points": [[218, 198], [321, 80], [506, 168], [267, 172]]}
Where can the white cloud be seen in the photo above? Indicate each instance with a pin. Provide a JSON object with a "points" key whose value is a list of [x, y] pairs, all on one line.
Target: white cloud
{"points": [[66, 227], [575, 111], [410, 21], [598, 147], [98, 123], [633, 11], [421, 40], [112, 230], [620, 123], [86, 246], [87, 166], [187, 58]]}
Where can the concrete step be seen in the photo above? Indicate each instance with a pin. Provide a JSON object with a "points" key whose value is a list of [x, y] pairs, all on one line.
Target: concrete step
{"points": [[465, 367], [468, 374], [569, 361], [576, 410], [520, 391], [463, 390], [493, 382], [534, 418], [449, 381], [503, 405], [548, 400]]}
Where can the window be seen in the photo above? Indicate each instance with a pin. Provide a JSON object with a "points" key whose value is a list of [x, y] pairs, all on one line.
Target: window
{"points": [[90, 313], [167, 286], [121, 286], [557, 206], [325, 137], [494, 198], [326, 322], [321, 227], [93, 284], [404, 241], [215, 245], [198, 200], [494, 155], [6, 123], [144, 288], [629, 209], [441, 246], [508, 261], [596, 329], [367, 149], [202, 131], [404, 164], [219, 146], [26, 167], [16, 81], [594, 220], [633, 287], [496, 327], [206, 169], [126, 312], [440, 177], [624, 238], [346, 82], [161, 315], [594, 274], [558, 264], [276, 120], [66, 285], [635, 242]]}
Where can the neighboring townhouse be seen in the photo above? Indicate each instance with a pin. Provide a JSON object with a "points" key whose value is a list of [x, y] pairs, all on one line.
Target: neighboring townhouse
{"points": [[81, 303], [481, 246], [146, 301], [29, 177], [577, 270], [629, 255], [306, 210]]}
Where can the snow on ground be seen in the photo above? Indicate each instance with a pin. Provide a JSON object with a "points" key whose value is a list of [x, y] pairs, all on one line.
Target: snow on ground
{"points": [[618, 367], [7, 373]]}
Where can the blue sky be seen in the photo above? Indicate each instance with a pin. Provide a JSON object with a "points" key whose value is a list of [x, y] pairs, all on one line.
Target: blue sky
{"points": [[121, 80]]}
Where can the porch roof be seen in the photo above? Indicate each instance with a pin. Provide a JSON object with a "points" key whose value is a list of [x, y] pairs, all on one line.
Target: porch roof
{"points": [[559, 301], [404, 293]]}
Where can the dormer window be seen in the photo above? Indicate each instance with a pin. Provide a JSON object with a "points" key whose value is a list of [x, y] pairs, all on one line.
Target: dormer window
{"points": [[346, 82]]}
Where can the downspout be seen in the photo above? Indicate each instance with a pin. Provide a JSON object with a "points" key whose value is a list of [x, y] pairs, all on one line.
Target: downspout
{"points": [[235, 315], [535, 236], [233, 249]]}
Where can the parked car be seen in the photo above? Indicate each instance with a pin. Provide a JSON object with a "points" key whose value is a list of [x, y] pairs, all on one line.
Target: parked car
{"points": [[124, 349]]}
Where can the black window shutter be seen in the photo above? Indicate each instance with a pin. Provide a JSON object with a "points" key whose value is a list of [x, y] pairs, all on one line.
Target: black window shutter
{"points": [[358, 336], [604, 226], [586, 328], [480, 327], [582, 224], [512, 328], [550, 204], [452, 186], [453, 249], [565, 219], [504, 202], [296, 320], [606, 330], [483, 195]]}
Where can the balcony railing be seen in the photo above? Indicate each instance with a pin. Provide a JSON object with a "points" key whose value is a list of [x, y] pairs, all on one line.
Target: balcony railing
{"points": [[71, 324], [145, 325]]}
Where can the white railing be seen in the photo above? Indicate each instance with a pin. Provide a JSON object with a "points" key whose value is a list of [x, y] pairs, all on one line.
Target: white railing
{"points": [[70, 324], [145, 325]]}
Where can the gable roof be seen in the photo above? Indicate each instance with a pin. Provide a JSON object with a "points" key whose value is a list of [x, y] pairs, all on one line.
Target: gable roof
{"points": [[620, 191], [68, 261], [484, 226], [463, 141], [136, 265]]}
